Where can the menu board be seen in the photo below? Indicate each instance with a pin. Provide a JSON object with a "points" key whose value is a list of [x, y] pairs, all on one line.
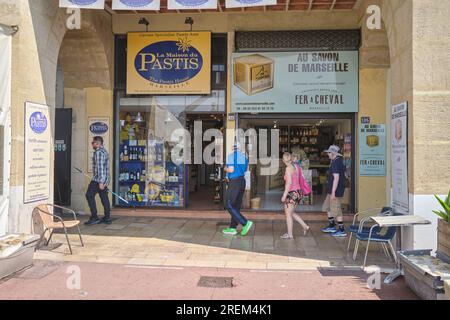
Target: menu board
{"points": [[38, 135], [399, 157]]}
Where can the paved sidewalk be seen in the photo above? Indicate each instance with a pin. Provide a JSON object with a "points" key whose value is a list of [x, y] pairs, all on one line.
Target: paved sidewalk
{"points": [[200, 243], [48, 280]]}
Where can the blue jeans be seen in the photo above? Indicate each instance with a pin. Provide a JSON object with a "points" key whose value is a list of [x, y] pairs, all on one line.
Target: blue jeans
{"points": [[234, 196]]}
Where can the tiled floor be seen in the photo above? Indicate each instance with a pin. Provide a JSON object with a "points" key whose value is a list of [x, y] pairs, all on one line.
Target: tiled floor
{"points": [[194, 242]]}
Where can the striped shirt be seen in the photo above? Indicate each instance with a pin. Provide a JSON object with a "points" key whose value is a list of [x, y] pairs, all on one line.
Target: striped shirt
{"points": [[100, 166]]}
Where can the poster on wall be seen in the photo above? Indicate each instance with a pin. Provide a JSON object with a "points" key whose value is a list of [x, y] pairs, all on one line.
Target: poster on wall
{"points": [[372, 150], [38, 135], [191, 4], [248, 3], [295, 82], [399, 157], [82, 4], [97, 126], [169, 63], [136, 4]]}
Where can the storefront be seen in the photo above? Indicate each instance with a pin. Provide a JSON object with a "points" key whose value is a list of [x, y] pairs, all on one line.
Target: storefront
{"points": [[146, 174], [279, 80], [91, 57], [308, 97]]}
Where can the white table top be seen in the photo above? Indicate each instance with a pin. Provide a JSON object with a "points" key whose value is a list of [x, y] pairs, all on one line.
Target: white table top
{"points": [[399, 221]]}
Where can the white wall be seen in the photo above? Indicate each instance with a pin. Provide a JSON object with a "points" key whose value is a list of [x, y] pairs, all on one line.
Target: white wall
{"points": [[5, 121]]}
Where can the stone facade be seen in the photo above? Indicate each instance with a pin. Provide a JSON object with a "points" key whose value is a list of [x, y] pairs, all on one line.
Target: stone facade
{"points": [[405, 61]]}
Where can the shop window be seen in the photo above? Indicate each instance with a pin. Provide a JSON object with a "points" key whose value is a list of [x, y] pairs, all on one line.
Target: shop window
{"points": [[146, 172]]}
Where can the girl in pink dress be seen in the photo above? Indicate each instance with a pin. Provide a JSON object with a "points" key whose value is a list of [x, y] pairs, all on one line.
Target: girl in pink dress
{"points": [[292, 195]]}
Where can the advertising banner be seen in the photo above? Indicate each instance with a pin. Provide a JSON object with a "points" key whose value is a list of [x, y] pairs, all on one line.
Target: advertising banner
{"points": [[97, 126], [248, 3], [136, 4], [38, 135], [191, 4], [399, 157], [169, 63], [82, 4], [372, 150], [324, 81]]}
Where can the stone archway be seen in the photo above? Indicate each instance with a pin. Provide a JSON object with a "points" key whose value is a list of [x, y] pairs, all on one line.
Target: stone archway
{"points": [[36, 49], [85, 60]]}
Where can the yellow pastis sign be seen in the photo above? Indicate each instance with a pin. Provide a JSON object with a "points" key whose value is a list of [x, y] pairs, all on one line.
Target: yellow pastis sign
{"points": [[169, 63]]}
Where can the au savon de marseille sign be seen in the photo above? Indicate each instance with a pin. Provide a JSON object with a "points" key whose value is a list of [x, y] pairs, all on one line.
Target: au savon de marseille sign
{"points": [[169, 63]]}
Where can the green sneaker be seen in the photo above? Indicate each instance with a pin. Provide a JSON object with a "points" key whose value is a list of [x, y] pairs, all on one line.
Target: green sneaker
{"points": [[229, 231], [246, 228]]}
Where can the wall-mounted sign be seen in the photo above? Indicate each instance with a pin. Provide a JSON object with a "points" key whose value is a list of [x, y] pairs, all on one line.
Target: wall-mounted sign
{"points": [[83, 4], [295, 82], [136, 4], [169, 63], [191, 4], [372, 150], [399, 157], [97, 126], [38, 148], [248, 3]]}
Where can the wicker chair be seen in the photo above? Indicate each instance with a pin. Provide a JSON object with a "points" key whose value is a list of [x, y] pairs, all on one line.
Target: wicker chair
{"points": [[53, 222]]}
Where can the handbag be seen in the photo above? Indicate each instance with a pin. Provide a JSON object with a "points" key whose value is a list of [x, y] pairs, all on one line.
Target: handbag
{"points": [[304, 186]]}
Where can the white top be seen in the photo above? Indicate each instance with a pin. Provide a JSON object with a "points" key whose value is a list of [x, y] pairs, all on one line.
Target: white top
{"points": [[399, 221]]}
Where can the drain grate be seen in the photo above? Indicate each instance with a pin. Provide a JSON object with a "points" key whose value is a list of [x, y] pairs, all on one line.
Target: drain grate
{"points": [[215, 282]]}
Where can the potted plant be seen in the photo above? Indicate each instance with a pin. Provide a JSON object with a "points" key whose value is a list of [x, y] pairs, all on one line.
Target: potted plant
{"points": [[444, 226]]}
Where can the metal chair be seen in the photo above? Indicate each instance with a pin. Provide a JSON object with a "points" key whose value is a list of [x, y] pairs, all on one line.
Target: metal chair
{"points": [[364, 216], [376, 234], [376, 237], [48, 219]]}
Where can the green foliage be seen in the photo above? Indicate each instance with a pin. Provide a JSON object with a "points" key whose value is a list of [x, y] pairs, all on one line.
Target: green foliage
{"points": [[445, 215]]}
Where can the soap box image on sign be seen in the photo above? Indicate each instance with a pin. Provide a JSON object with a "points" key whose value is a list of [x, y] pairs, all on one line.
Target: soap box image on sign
{"points": [[169, 63]]}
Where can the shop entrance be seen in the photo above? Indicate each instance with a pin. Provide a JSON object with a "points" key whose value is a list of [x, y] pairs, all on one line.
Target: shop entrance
{"points": [[205, 179], [306, 138]]}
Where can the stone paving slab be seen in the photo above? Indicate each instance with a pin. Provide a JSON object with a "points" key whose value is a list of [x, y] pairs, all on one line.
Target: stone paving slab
{"points": [[200, 243]]}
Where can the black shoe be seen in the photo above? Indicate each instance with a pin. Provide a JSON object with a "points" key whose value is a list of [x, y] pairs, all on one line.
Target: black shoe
{"points": [[106, 221], [91, 222]]}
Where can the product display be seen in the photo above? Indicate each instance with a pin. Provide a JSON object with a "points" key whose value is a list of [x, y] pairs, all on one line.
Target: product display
{"points": [[146, 174], [253, 73]]}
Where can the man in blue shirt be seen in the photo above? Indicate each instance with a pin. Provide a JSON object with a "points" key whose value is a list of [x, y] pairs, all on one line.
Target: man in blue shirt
{"points": [[236, 166]]}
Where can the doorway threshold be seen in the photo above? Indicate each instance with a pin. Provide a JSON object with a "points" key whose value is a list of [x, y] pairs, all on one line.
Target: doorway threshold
{"points": [[217, 214]]}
